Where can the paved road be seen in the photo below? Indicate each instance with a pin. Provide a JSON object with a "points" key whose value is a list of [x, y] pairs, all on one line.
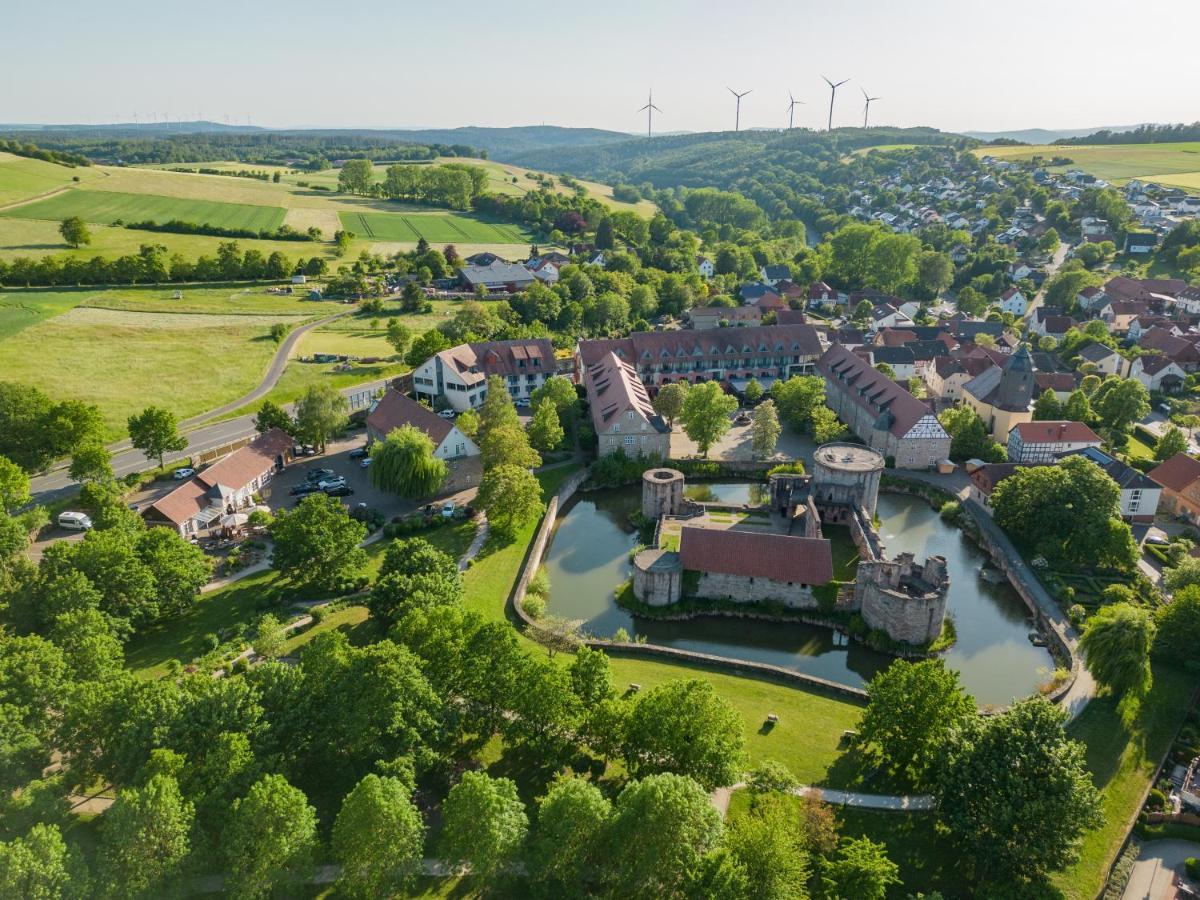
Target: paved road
{"points": [[1158, 865], [1056, 261], [893, 802]]}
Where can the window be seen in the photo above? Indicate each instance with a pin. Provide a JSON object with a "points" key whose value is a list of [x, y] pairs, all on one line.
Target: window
{"points": [[629, 439]]}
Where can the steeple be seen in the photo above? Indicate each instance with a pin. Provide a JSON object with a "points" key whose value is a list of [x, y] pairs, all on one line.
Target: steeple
{"points": [[1016, 388]]}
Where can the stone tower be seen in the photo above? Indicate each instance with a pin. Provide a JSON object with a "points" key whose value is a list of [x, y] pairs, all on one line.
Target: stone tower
{"points": [[662, 493], [1017, 387]]}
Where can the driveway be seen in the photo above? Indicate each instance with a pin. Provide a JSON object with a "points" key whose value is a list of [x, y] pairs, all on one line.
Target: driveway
{"points": [[1158, 869], [736, 445]]}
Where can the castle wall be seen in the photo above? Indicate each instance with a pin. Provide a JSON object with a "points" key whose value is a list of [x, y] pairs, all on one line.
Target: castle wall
{"points": [[903, 600], [741, 589], [657, 587], [662, 493]]}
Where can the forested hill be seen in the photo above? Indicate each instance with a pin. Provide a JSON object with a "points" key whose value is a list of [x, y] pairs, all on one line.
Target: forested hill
{"points": [[1143, 134], [719, 159]]}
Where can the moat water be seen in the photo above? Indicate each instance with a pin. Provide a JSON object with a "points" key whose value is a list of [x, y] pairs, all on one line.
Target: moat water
{"points": [[589, 557]]}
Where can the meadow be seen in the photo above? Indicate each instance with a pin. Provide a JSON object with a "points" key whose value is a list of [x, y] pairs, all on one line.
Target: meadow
{"points": [[21, 178], [107, 207], [437, 228], [1170, 163]]}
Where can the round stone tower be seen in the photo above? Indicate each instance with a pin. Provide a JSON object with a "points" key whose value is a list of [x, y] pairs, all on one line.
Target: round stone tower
{"points": [[662, 493], [847, 475]]}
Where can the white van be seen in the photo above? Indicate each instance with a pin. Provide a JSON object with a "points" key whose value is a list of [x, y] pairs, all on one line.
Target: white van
{"points": [[75, 521]]}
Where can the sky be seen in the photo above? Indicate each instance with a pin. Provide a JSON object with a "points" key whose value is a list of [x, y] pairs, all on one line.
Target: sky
{"points": [[952, 64]]}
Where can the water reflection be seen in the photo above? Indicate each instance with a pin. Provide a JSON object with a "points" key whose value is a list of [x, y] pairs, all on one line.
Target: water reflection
{"points": [[589, 557]]}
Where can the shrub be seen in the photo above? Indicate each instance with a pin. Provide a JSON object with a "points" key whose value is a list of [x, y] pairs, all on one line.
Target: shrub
{"points": [[318, 614], [950, 510], [1076, 613], [1192, 866], [795, 467], [1067, 594], [534, 606], [1156, 800]]}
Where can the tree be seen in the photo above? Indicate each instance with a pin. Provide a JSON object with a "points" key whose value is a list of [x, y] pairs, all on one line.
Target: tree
{"points": [[468, 423], [155, 433], [604, 235], [14, 486], [506, 444], [404, 463], [545, 431], [1178, 627], [1172, 443], [1119, 402], [320, 415], [705, 415], [270, 837], [561, 392], [661, 828], [753, 392], [378, 837], [357, 176], [771, 849], [911, 710], [798, 398], [861, 869], [269, 636], [668, 402], [935, 272], [144, 839], [317, 543], [969, 437], [1046, 408], [90, 464], [1077, 408], [1116, 645], [862, 311], [75, 231], [272, 415], [1184, 575], [40, 866], [485, 823], [511, 496], [765, 430], [1039, 797], [827, 427], [686, 727], [591, 676], [565, 850], [1069, 511], [399, 336]]}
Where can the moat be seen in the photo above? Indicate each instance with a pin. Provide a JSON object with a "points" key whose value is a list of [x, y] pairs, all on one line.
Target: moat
{"points": [[589, 556]]}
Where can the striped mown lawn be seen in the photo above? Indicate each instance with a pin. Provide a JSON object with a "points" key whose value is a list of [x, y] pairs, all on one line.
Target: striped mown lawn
{"points": [[107, 207], [437, 228]]}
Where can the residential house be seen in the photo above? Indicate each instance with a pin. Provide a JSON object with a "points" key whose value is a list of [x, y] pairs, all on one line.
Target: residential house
{"points": [[819, 292], [457, 378], [946, 377], [482, 259], [1014, 302], [1157, 373], [543, 269], [1139, 243], [881, 412], [754, 291], [622, 415], [884, 315], [1189, 300], [1044, 442], [1179, 478], [498, 277], [1092, 226], [900, 359], [774, 274], [1179, 349], [1106, 360], [984, 480], [216, 497], [1019, 270], [959, 253], [395, 409], [1061, 384], [1140, 494], [1089, 298], [1047, 323], [705, 267], [712, 316], [1003, 396]]}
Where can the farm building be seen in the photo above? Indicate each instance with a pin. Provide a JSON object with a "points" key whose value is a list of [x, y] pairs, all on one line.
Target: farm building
{"points": [[498, 277]]}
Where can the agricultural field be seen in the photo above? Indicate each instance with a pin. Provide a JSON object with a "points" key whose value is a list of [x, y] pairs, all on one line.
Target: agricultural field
{"points": [[107, 207], [1176, 164], [437, 228], [21, 178]]}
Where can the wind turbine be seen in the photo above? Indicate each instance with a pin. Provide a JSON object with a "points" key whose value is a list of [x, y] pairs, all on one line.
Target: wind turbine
{"points": [[650, 109], [867, 106], [792, 108], [833, 93], [737, 121]]}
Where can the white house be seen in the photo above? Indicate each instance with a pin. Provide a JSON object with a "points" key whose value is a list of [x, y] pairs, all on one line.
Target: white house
{"points": [[1106, 360], [543, 270], [1044, 442], [774, 274], [1013, 301], [1019, 270], [1157, 373], [1091, 226], [458, 376], [395, 409], [705, 267]]}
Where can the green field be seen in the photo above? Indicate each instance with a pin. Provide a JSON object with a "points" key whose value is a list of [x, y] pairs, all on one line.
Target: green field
{"points": [[437, 228], [106, 207], [1170, 163], [22, 178]]}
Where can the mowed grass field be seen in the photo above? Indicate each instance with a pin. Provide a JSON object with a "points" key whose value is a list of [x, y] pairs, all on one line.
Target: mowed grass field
{"points": [[106, 207], [437, 228], [1171, 163], [21, 178]]}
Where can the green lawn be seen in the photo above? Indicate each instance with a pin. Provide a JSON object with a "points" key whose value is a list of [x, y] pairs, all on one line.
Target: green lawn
{"points": [[349, 619], [21, 178], [106, 207], [1138, 449], [219, 300], [437, 228], [1166, 163], [21, 309], [125, 361]]}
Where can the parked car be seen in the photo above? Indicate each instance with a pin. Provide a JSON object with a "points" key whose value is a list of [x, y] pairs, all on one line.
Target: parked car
{"points": [[338, 490], [523, 402], [304, 450], [448, 509], [359, 453], [366, 462], [1157, 539], [183, 472], [74, 521], [320, 475], [308, 487], [327, 483], [447, 414]]}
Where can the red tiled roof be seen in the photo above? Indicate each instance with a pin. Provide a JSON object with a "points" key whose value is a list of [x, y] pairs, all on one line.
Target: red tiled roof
{"points": [[613, 387], [395, 409], [1056, 433], [1176, 473], [756, 554], [1059, 382], [986, 477], [869, 389], [183, 503], [242, 466]]}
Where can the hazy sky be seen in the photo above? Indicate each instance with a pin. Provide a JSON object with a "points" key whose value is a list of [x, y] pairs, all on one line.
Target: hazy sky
{"points": [[953, 64]]}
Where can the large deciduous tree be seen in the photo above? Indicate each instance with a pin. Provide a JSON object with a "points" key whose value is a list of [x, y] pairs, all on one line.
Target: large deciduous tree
{"points": [[378, 837], [320, 415], [567, 843], [969, 438], [14, 486], [861, 870], [1119, 402], [797, 399], [485, 824], [404, 463], [270, 838], [272, 415], [1016, 794], [1178, 632], [668, 402], [144, 839], [511, 496], [75, 231], [545, 430], [155, 432], [1116, 645], [705, 415], [317, 542], [765, 431], [41, 866]]}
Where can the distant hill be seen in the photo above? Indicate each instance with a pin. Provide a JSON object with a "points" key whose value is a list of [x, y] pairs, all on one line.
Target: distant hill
{"points": [[1044, 135], [500, 143]]}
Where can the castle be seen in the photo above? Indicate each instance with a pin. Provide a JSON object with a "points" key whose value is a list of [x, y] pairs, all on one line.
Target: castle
{"points": [[778, 554]]}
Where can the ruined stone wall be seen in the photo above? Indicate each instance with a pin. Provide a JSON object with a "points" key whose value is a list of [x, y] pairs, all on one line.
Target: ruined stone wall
{"points": [[741, 589], [662, 493], [911, 616]]}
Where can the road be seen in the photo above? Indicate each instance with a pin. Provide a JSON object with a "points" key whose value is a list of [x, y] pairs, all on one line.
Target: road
{"points": [[1060, 256], [1159, 865]]}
